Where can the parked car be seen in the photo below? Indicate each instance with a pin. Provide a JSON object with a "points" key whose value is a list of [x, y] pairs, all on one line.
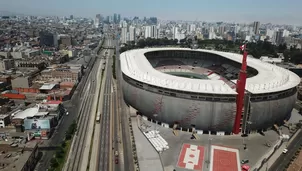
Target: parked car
{"points": [[284, 151], [244, 161]]}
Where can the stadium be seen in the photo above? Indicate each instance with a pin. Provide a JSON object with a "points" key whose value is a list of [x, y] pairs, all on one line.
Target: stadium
{"points": [[197, 89]]}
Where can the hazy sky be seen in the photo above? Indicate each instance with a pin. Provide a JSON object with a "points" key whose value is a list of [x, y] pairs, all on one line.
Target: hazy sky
{"points": [[275, 11]]}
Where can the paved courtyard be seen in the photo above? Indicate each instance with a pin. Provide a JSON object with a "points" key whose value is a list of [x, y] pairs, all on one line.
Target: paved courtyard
{"points": [[186, 154]]}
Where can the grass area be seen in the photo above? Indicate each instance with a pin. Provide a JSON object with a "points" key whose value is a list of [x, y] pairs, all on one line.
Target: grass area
{"points": [[57, 163], [61, 154]]}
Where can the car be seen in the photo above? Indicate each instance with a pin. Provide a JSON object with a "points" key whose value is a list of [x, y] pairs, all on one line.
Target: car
{"points": [[67, 113], [284, 151], [116, 160], [244, 161]]}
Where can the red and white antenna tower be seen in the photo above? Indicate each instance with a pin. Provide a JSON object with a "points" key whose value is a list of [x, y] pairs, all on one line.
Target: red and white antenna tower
{"points": [[240, 89]]}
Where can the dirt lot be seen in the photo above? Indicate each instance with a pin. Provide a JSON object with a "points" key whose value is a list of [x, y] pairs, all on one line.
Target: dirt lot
{"points": [[297, 164]]}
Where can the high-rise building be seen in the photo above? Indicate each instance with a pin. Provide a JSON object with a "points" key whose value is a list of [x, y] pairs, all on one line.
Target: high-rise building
{"points": [[147, 31], [256, 27], [124, 24], [124, 35], [221, 30], [115, 18], [110, 19], [98, 16], [192, 28], [279, 37], [118, 18], [154, 31], [48, 39], [132, 34], [71, 17], [96, 22], [269, 33], [175, 32]]}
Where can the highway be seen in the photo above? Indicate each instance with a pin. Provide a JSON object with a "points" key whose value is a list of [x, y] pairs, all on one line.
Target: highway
{"points": [[105, 143], [124, 115], [72, 106], [284, 159], [87, 96]]}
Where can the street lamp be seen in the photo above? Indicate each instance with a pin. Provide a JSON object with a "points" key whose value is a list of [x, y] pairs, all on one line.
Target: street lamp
{"points": [[246, 132], [155, 115], [209, 152]]}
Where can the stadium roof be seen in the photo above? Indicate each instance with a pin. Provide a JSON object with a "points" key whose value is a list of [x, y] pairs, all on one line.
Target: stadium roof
{"points": [[270, 78]]}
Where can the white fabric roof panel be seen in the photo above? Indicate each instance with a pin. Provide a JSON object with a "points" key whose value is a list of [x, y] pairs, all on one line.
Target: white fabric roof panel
{"points": [[270, 78]]}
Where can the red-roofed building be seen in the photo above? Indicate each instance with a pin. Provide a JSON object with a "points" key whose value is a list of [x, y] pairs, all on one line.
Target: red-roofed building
{"points": [[53, 102]]}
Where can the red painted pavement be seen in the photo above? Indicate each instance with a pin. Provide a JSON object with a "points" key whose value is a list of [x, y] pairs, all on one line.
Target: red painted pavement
{"points": [[182, 154], [224, 160]]}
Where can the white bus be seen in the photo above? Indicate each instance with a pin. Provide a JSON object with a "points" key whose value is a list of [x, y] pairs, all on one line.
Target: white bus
{"points": [[98, 116]]}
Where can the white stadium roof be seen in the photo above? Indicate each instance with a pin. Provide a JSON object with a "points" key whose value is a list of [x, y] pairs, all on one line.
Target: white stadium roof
{"points": [[270, 78]]}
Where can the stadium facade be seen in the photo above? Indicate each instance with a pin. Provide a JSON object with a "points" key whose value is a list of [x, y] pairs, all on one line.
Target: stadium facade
{"points": [[197, 88]]}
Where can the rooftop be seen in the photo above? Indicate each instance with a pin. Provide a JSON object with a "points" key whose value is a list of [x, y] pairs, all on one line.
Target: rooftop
{"points": [[270, 78], [47, 86], [30, 112]]}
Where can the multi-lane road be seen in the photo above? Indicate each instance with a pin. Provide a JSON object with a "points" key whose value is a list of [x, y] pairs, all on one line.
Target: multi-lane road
{"points": [[284, 159], [75, 158], [105, 152], [115, 133], [124, 117]]}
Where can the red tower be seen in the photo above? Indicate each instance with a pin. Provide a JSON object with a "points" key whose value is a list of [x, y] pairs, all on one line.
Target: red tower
{"points": [[240, 88]]}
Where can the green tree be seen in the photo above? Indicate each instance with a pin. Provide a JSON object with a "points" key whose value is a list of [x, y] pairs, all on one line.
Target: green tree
{"points": [[54, 163]]}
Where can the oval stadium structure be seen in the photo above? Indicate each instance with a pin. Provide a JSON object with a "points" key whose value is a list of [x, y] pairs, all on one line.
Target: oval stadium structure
{"points": [[197, 88]]}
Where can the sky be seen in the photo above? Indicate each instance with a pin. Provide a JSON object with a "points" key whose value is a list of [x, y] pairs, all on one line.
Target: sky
{"points": [[273, 11]]}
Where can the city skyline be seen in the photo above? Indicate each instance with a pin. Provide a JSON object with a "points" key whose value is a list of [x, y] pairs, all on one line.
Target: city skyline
{"points": [[277, 12]]}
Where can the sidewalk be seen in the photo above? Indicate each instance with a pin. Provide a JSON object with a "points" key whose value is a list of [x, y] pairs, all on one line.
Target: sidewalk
{"points": [[148, 158], [278, 152]]}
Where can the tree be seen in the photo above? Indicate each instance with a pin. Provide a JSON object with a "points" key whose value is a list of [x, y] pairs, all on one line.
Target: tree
{"points": [[182, 41], [282, 48], [54, 163], [63, 144], [141, 43], [189, 41]]}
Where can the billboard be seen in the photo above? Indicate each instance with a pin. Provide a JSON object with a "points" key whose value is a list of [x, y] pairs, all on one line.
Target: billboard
{"points": [[30, 124]]}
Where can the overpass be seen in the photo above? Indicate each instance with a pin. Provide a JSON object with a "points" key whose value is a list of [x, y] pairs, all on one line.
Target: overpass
{"points": [[109, 47]]}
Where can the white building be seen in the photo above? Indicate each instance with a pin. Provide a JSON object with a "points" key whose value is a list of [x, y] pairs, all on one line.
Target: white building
{"points": [[96, 22], [191, 28], [132, 33], [124, 35], [285, 33], [270, 33], [124, 24], [212, 34], [175, 32], [147, 31]]}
